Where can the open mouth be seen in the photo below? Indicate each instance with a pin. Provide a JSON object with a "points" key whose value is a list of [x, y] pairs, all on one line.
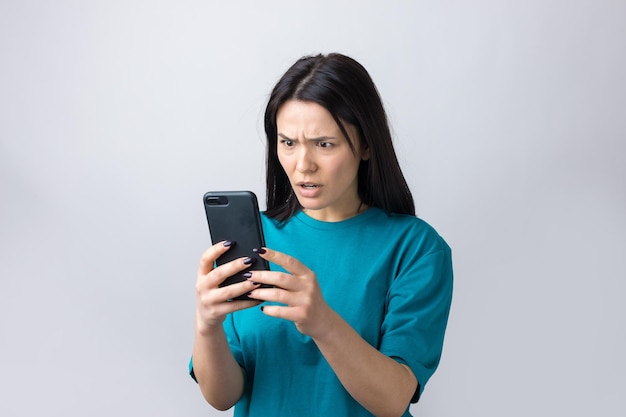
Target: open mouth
{"points": [[309, 189]]}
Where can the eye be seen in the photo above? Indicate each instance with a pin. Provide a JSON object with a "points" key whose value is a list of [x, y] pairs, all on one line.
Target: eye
{"points": [[287, 142], [324, 144]]}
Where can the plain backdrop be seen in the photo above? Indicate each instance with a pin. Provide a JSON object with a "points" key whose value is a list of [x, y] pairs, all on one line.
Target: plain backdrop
{"points": [[509, 118]]}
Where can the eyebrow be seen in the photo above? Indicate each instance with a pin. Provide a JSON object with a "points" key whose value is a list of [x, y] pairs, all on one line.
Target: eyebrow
{"points": [[321, 138]]}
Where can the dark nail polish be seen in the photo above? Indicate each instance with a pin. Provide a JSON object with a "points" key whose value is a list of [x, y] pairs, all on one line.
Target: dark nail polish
{"points": [[249, 261], [261, 308], [228, 243], [246, 275], [259, 250]]}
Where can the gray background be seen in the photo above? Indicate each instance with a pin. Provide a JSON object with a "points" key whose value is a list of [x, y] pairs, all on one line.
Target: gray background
{"points": [[116, 116]]}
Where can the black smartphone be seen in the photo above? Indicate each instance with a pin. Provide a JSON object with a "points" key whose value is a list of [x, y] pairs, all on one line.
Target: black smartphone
{"points": [[234, 216]]}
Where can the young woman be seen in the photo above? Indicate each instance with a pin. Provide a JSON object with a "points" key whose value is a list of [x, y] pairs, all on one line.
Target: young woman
{"points": [[355, 322]]}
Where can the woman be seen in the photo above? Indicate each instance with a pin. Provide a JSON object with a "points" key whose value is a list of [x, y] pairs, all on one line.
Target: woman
{"points": [[354, 323]]}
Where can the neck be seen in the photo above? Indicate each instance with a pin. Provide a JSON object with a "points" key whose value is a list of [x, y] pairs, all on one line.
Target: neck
{"points": [[325, 216]]}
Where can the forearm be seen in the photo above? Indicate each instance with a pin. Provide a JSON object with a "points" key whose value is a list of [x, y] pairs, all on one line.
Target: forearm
{"points": [[219, 376], [379, 383]]}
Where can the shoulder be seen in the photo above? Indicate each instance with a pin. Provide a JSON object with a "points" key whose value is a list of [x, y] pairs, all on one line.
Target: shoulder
{"points": [[411, 230]]}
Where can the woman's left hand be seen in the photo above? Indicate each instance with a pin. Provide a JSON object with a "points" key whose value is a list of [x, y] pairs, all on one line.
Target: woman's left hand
{"points": [[298, 289]]}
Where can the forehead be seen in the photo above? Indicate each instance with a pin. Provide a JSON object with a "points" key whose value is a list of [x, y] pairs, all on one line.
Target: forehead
{"points": [[298, 114]]}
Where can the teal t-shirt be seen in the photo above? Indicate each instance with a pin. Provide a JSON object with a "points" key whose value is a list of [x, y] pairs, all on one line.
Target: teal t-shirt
{"points": [[388, 275]]}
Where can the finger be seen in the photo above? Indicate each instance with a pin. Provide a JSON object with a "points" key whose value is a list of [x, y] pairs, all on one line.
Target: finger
{"points": [[218, 275], [217, 313], [275, 294], [234, 291], [290, 263], [281, 312], [217, 302], [275, 279], [235, 305], [207, 260]]}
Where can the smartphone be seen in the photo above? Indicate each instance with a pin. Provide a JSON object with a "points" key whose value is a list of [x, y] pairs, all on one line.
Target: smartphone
{"points": [[234, 216]]}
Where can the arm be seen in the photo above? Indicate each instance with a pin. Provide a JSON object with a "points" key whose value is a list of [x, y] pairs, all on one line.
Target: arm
{"points": [[379, 383], [219, 376]]}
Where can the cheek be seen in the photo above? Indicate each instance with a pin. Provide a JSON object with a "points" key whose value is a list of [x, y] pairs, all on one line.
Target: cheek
{"points": [[284, 162], [348, 166]]}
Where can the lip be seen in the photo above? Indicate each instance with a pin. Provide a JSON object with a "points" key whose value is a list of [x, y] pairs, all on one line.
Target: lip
{"points": [[313, 189]]}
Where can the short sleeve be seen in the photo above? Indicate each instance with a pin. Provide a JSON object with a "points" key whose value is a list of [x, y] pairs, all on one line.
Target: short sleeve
{"points": [[418, 305], [191, 373], [233, 338]]}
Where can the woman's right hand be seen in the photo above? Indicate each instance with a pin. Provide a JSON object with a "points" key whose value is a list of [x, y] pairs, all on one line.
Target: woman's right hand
{"points": [[212, 300]]}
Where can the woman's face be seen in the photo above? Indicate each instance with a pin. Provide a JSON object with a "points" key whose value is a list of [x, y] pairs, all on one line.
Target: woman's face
{"points": [[321, 166]]}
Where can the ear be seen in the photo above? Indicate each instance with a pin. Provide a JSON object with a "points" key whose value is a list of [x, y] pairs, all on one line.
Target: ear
{"points": [[365, 154]]}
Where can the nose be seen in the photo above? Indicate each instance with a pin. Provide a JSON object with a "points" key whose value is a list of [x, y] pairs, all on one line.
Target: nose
{"points": [[305, 161]]}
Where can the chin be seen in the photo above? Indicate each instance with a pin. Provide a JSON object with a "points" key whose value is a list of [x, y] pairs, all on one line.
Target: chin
{"points": [[307, 205]]}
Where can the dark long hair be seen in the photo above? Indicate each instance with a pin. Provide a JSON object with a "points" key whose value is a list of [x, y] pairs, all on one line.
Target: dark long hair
{"points": [[343, 87]]}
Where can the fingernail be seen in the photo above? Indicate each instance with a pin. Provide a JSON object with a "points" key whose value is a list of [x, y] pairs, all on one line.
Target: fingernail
{"points": [[247, 275], [259, 250], [249, 261], [228, 243], [261, 308]]}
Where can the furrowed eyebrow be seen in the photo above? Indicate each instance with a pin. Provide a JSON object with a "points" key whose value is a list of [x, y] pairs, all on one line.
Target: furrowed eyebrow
{"points": [[285, 137], [320, 139]]}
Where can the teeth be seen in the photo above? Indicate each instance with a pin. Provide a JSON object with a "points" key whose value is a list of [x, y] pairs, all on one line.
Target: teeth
{"points": [[309, 186]]}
